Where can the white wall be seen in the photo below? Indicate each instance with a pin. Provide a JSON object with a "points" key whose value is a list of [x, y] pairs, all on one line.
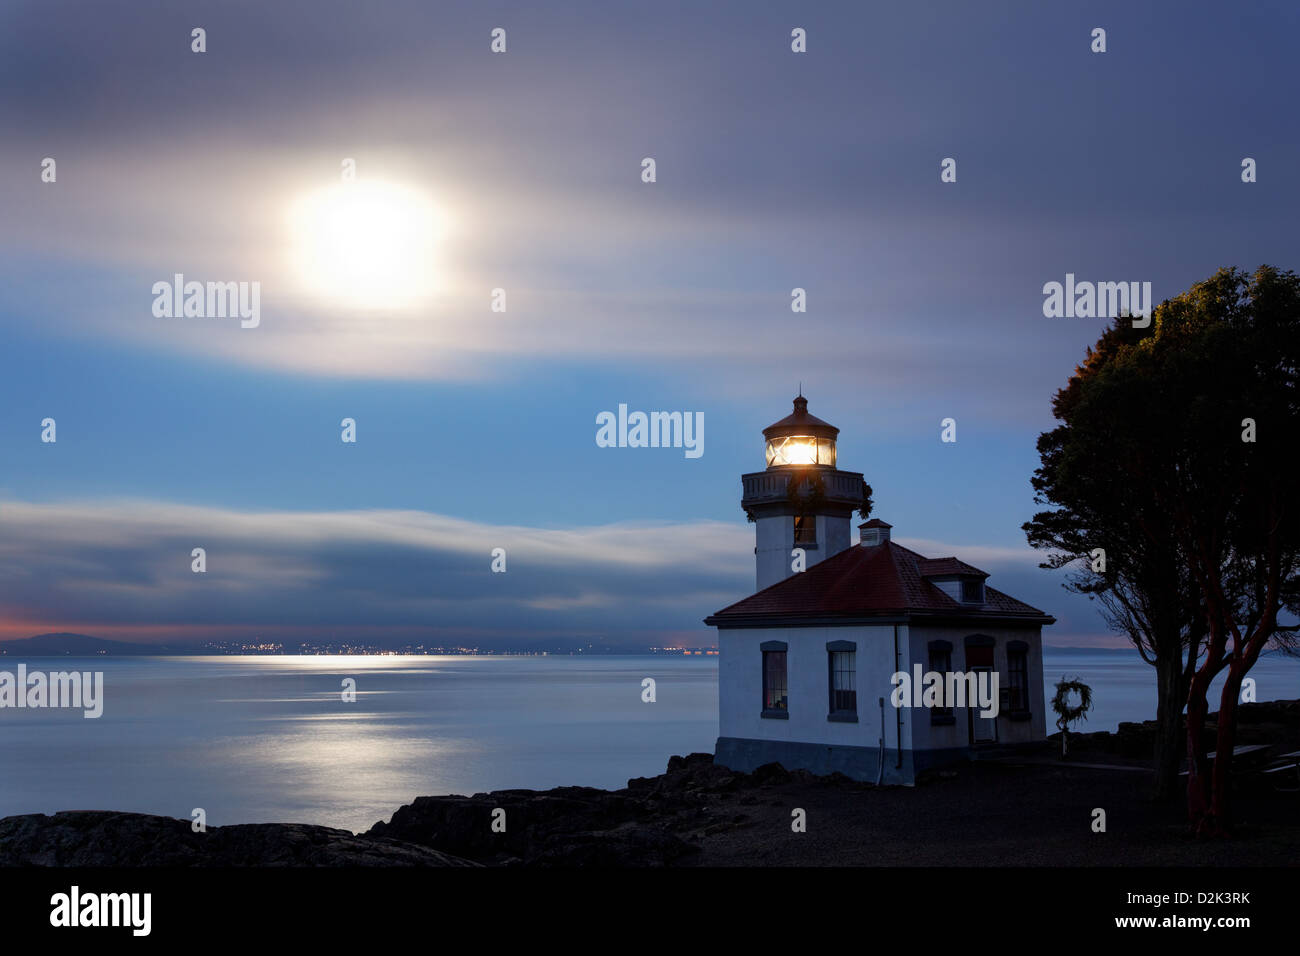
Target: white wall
{"points": [[774, 540], [740, 685], [772, 536], [1009, 731], [834, 534]]}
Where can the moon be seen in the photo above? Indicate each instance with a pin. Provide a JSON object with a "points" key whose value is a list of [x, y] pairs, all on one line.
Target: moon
{"points": [[367, 244]]}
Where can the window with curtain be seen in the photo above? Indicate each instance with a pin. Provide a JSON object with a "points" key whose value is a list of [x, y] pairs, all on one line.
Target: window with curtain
{"points": [[1018, 679], [941, 663], [774, 681], [844, 694]]}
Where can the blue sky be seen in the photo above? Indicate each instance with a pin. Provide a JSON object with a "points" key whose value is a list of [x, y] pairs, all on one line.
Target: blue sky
{"points": [[476, 429]]}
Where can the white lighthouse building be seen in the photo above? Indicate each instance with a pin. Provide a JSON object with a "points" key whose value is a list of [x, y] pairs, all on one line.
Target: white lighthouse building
{"points": [[806, 665]]}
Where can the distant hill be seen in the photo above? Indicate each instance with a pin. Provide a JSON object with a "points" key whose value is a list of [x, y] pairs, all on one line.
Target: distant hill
{"points": [[76, 645]]}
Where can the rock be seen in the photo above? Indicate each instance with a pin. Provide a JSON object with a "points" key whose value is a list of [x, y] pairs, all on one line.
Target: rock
{"points": [[771, 773], [643, 825], [630, 845], [107, 838], [569, 826], [689, 762], [533, 821]]}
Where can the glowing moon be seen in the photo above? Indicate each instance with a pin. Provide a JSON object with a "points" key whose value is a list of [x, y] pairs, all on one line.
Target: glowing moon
{"points": [[367, 243]]}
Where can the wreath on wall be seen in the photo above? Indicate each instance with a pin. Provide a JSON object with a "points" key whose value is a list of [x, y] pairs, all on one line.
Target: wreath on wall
{"points": [[1065, 714], [810, 501]]}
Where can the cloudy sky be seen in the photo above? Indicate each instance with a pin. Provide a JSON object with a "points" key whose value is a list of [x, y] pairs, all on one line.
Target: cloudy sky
{"points": [[476, 428]]}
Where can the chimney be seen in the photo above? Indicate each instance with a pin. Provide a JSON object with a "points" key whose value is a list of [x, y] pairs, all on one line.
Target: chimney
{"points": [[874, 532]]}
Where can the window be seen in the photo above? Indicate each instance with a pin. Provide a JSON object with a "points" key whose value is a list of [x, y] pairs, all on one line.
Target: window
{"points": [[775, 700], [941, 663], [841, 664], [979, 653], [972, 592], [1018, 677], [805, 529], [800, 450]]}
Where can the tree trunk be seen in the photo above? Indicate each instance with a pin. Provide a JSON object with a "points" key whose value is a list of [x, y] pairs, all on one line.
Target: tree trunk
{"points": [[1198, 796], [1171, 695], [1217, 820]]}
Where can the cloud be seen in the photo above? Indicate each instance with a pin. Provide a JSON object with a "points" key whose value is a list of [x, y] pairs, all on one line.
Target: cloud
{"points": [[980, 555], [535, 159], [124, 568]]}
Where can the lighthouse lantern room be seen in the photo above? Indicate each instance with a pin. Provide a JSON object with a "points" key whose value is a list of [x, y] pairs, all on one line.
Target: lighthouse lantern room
{"points": [[801, 501]]}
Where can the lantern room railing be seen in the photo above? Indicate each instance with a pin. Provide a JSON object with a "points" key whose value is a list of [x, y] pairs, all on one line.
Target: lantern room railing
{"points": [[773, 485]]}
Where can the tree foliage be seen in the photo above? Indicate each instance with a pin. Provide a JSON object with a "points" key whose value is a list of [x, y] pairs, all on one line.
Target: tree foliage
{"points": [[1199, 526]]}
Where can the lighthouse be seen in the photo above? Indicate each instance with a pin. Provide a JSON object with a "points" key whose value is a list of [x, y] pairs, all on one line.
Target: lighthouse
{"points": [[802, 505], [811, 665]]}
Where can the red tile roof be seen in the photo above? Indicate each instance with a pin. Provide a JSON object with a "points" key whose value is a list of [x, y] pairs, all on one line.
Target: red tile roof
{"points": [[885, 580], [939, 567]]}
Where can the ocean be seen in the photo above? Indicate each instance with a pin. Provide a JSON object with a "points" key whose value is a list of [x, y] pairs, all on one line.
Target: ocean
{"points": [[269, 739]]}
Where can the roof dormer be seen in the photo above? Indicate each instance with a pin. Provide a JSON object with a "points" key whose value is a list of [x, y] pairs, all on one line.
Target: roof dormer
{"points": [[957, 579]]}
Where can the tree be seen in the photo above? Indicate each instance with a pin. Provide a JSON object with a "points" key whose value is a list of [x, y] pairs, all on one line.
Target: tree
{"points": [[1189, 426], [1119, 548], [1225, 355]]}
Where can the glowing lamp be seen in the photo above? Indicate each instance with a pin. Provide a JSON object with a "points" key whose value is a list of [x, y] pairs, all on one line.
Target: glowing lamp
{"points": [[800, 439], [800, 450]]}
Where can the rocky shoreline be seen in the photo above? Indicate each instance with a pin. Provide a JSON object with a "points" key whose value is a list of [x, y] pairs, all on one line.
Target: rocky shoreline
{"points": [[650, 823], [1031, 811], [109, 838]]}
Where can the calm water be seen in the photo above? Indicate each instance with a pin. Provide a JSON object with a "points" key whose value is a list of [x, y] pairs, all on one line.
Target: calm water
{"points": [[258, 739]]}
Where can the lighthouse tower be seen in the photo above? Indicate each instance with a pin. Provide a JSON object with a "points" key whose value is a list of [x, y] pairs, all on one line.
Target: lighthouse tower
{"points": [[801, 505]]}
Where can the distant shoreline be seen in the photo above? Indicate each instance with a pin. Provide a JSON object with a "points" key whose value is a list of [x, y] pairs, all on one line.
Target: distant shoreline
{"points": [[175, 652], [83, 645], [164, 651]]}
